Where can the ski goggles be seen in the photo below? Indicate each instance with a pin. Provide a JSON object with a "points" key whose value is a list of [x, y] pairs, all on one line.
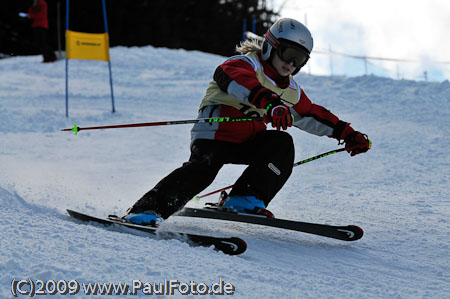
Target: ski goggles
{"points": [[292, 53]]}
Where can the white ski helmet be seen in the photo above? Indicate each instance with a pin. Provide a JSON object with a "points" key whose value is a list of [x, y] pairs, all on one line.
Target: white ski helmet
{"points": [[288, 32]]}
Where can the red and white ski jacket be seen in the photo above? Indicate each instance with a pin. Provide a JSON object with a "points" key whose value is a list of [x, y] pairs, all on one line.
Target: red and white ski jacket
{"points": [[234, 91]]}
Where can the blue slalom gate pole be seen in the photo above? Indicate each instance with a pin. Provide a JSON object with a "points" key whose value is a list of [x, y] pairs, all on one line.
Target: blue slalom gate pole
{"points": [[109, 60], [67, 61]]}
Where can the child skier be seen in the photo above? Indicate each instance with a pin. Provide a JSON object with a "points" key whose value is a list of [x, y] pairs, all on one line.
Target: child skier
{"points": [[257, 84]]}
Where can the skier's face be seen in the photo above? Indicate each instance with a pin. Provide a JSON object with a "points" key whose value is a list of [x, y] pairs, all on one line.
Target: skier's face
{"points": [[283, 68]]}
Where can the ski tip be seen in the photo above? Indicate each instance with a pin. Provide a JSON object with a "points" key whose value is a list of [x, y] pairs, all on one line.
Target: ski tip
{"points": [[232, 246], [361, 232], [350, 233], [244, 244], [358, 233]]}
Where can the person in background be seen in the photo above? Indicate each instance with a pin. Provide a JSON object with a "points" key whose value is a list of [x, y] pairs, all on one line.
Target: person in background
{"points": [[258, 83], [38, 14]]}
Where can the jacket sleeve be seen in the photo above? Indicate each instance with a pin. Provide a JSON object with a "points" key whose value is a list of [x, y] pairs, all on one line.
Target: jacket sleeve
{"points": [[237, 77], [317, 120]]}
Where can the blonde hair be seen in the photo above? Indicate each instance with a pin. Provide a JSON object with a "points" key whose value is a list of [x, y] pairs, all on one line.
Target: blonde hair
{"points": [[248, 46]]}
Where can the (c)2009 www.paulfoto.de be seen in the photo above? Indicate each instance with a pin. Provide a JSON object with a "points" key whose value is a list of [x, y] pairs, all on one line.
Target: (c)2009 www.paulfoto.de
{"points": [[30, 287]]}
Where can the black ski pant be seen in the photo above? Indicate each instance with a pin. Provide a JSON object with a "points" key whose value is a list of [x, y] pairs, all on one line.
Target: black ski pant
{"points": [[269, 156]]}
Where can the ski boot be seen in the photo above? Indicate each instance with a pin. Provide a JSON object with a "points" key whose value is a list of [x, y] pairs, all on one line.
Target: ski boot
{"points": [[243, 204], [150, 218]]}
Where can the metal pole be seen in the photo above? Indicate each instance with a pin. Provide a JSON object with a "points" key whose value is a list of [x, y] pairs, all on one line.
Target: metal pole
{"points": [[67, 61], [331, 60], [306, 24], [244, 28], [210, 120], [365, 64], [109, 60], [58, 27]]}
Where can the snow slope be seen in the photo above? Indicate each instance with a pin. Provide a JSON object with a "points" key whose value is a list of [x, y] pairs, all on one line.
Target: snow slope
{"points": [[398, 192]]}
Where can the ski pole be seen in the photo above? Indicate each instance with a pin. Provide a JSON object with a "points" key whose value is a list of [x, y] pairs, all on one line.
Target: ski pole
{"points": [[211, 120], [295, 164], [319, 156]]}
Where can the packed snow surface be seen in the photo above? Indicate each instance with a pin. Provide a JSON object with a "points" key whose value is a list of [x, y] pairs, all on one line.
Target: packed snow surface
{"points": [[398, 192]]}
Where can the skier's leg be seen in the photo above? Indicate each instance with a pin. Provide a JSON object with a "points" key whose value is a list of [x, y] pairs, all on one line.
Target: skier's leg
{"points": [[270, 157], [176, 189]]}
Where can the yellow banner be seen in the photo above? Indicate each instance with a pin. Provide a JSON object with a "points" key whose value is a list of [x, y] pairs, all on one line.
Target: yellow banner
{"points": [[91, 46]]}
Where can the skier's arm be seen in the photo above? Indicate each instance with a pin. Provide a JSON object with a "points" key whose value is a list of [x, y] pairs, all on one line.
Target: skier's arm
{"points": [[315, 119], [318, 120]]}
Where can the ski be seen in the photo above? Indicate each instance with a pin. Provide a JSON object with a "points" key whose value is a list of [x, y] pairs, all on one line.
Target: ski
{"points": [[231, 246], [345, 233]]}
